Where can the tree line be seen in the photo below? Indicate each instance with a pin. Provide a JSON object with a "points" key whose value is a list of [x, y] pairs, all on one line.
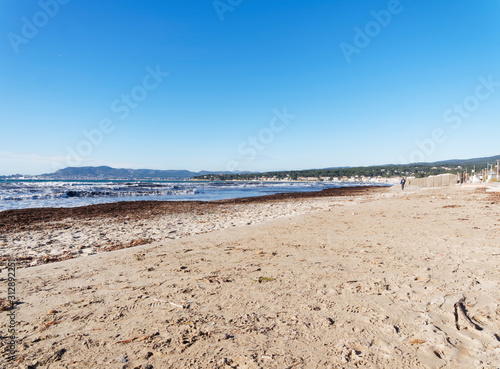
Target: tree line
{"points": [[416, 170]]}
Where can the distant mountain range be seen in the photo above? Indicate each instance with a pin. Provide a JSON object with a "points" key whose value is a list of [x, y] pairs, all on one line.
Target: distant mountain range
{"points": [[478, 162], [418, 169], [104, 172]]}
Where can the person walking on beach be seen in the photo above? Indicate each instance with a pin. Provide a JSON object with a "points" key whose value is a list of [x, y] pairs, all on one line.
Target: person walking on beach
{"points": [[403, 181]]}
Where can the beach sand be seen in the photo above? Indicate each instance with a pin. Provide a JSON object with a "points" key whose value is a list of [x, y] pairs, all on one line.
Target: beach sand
{"points": [[39, 236], [388, 280]]}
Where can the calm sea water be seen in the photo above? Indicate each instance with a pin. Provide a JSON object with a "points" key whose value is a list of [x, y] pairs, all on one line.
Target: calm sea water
{"points": [[35, 194]]}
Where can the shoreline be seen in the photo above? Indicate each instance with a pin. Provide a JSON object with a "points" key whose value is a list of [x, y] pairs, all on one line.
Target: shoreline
{"points": [[57, 195], [45, 235], [11, 220]]}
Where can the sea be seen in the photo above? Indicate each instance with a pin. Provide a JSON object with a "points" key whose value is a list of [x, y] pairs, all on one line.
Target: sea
{"points": [[22, 194]]}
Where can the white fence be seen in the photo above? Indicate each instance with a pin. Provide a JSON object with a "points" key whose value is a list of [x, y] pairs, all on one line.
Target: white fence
{"points": [[441, 180]]}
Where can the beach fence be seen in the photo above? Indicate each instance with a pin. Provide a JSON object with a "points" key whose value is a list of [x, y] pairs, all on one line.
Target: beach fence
{"points": [[441, 180]]}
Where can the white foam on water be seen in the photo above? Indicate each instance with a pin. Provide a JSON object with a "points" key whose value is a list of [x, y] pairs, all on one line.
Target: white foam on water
{"points": [[35, 194]]}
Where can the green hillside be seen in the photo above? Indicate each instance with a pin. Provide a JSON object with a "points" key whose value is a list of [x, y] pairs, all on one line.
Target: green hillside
{"points": [[390, 170]]}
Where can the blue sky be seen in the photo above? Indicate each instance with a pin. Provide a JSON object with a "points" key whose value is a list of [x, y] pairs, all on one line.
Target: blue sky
{"points": [[205, 84]]}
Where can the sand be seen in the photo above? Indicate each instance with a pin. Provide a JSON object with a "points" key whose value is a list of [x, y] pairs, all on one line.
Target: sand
{"points": [[39, 236], [403, 280]]}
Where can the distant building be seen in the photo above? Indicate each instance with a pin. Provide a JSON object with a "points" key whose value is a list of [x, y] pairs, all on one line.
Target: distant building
{"points": [[491, 176]]}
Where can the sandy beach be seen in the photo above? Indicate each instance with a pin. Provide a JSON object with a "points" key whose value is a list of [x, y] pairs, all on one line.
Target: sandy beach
{"points": [[40, 236], [382, 279]]}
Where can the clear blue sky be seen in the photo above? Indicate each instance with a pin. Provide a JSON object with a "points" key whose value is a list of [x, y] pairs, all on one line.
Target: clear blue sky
{"points": [[69, 66]]}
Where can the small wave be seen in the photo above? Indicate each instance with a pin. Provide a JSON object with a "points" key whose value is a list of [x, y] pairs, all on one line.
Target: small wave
{"points": [[129, 193], [95, 194]]}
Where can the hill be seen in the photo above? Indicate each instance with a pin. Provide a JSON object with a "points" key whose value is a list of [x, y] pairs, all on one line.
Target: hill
{"points": [[105, 172], [387, 170]]}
